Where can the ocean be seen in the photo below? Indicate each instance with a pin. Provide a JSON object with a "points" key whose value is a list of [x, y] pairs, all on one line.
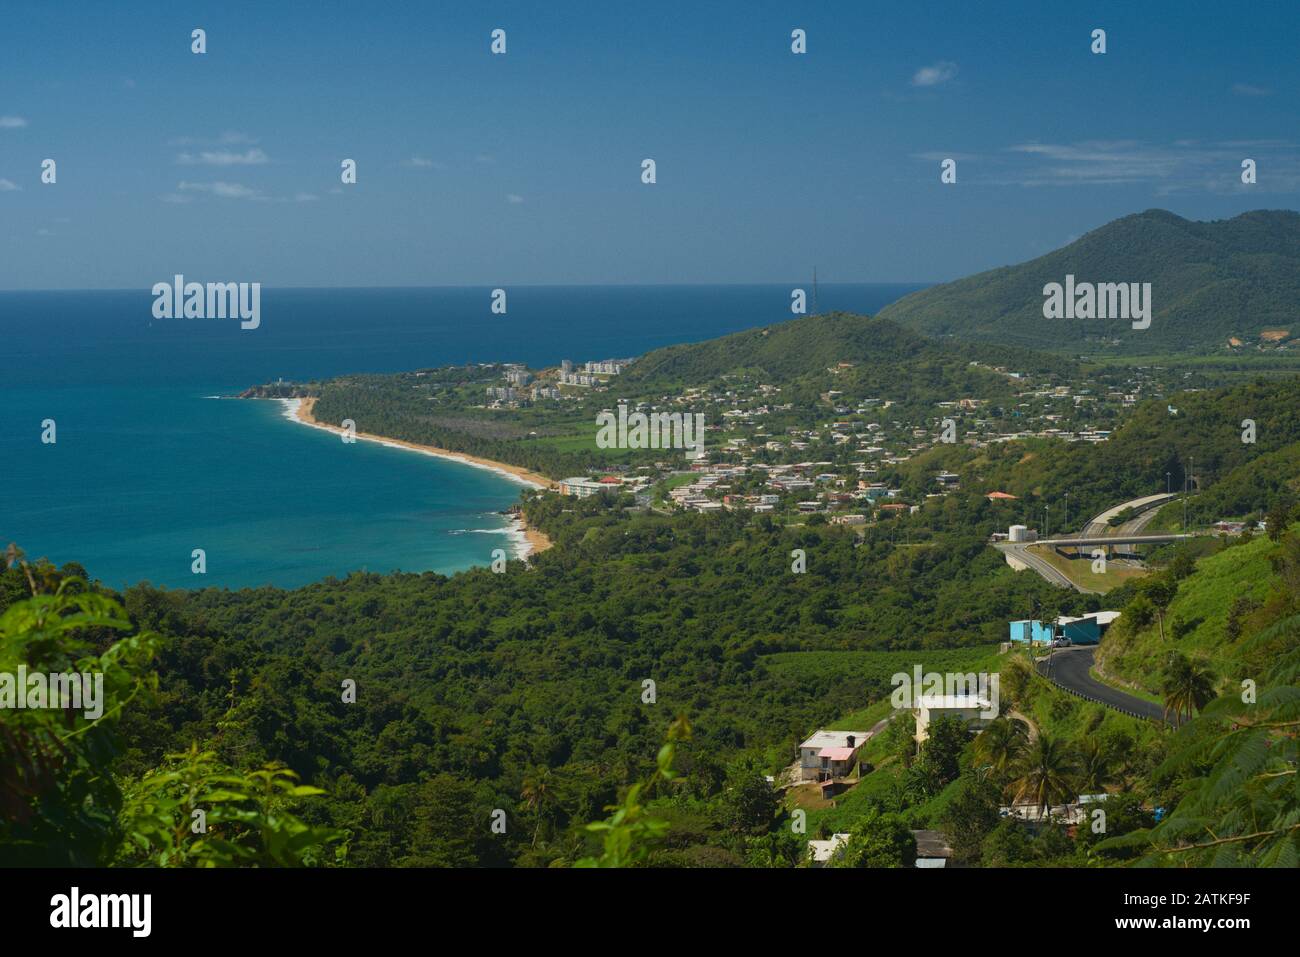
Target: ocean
{"points": [[154, 460]]}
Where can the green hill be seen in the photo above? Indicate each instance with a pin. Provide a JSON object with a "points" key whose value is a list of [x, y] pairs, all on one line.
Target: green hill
{"points": [[1209, 281], [1230, 597], [800, 348]]}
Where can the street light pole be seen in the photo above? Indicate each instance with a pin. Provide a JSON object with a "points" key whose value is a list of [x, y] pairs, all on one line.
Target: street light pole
{"points": [[1184, 502]]}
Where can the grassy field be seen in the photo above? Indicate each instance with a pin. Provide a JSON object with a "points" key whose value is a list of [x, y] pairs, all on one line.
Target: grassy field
{"points": [[1124, 687], [1198, 616], [864, 718], [1079, 570]]}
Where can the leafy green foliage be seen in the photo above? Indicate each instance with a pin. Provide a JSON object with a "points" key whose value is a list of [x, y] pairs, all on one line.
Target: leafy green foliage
{"points": [[1238, 761], [971, 816], [878, 839], [57, 804], [195, 812], [629, 833]]}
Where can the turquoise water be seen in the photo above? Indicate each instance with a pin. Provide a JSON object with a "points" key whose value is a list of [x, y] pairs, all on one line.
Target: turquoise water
{"points": [[148, 465], [140, 477]]}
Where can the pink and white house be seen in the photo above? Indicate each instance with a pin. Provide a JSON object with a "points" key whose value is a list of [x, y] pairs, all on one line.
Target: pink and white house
{"points": [[830, 754]]}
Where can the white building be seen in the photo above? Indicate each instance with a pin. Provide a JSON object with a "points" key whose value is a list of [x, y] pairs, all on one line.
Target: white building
{"points": [[581, 487], [970, 708], [822, 851]]}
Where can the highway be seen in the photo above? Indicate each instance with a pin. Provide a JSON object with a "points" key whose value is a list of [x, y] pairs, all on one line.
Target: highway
{"points": [[1097, 531], [1146, 507], [1019, 551], [1116, 539]]}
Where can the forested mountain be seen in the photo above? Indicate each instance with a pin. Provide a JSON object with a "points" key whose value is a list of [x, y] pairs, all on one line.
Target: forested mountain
{"points": [[882, 351], [1210, 281]]}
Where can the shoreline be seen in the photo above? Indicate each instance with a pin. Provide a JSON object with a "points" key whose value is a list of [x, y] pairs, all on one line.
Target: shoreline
{"points": [[529, 540], [534, 539]]}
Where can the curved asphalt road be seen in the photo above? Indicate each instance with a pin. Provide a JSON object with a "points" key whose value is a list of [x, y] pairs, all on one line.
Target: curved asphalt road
{"points": [[1069, 667], [1041, 565]]}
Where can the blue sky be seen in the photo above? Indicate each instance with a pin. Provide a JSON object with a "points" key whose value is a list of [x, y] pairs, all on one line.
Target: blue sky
{"points": [[525, 168]]}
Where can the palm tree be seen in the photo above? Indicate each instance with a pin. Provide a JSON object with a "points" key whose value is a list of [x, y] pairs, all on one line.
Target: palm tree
{"points": [[1001, 744], [537, 797], [1187, 687], [1094, 765], [1048, 774], [1161, 593]]}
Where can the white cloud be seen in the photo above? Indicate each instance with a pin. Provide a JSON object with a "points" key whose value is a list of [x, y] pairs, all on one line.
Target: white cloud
{"points": [[228, 138], [514, 198], [418, 162], [186, 192], [1249, 89], [938, 156], [8, 186], [250, 157], [1183, 165], [12, 122], [941, 72], [224, 190]]}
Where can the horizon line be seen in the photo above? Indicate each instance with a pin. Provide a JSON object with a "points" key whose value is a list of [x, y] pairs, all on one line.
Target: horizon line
{"points": [[508, 285]]}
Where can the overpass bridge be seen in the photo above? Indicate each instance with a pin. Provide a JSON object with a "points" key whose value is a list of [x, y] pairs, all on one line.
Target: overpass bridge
{"points": [[1096, 533], [1082, 542], [1143, 512], [1113, 546]]}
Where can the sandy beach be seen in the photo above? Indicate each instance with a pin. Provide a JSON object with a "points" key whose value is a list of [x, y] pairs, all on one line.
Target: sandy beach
{"points": [[536, 539], [532, 539]]}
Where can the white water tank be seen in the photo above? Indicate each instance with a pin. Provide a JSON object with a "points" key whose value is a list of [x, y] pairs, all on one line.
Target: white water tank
{"points": [[1018, 533]]}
